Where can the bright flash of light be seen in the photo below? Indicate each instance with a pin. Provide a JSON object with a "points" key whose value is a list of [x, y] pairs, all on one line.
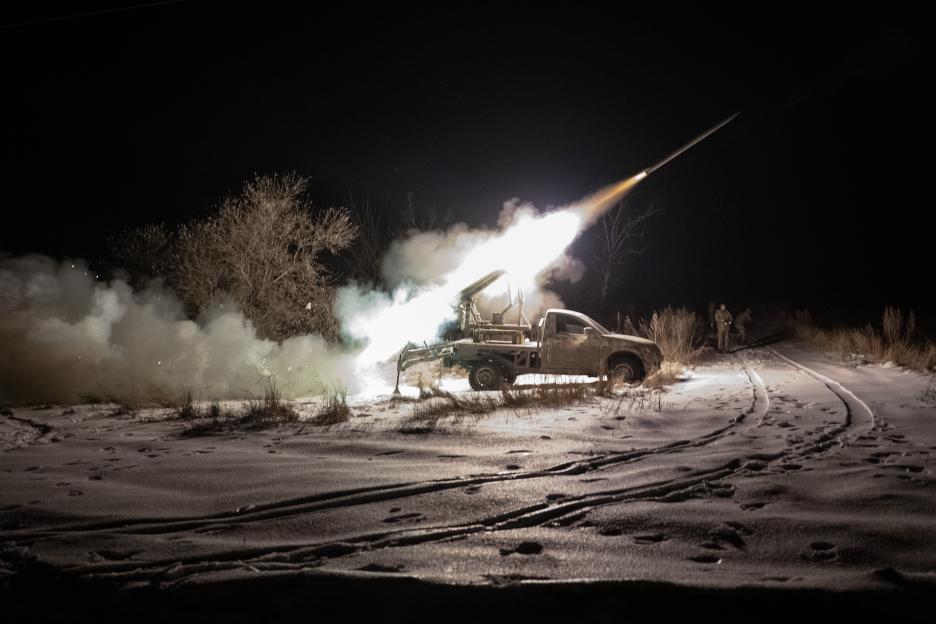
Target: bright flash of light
{"points": [[525, 249]]}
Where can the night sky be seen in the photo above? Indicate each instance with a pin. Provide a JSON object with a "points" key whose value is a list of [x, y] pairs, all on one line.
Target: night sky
{"points": [[816, 196]]}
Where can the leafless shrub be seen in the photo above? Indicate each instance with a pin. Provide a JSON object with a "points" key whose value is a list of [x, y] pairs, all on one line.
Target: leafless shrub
{"points": [[676, 331], [263, 251], [334, 409]]}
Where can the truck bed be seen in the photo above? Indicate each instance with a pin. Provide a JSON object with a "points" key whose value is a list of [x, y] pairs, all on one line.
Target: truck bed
{"points": [[495, 345]]}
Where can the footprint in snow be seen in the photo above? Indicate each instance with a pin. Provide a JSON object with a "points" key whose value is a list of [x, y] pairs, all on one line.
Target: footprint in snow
{"points": [[523, 548], [649, 538], [821, 551], [415, 517]]}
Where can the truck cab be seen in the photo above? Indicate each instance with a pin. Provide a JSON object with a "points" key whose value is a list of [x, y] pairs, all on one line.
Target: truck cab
{"points": [[575, 344]]}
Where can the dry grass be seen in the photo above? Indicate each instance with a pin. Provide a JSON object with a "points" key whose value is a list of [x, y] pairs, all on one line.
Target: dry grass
{"points": [[635, 401], [667, 375], [549, 395], [896, 340], [440, 404], [677, 331], [266, 412], [334, 409]]}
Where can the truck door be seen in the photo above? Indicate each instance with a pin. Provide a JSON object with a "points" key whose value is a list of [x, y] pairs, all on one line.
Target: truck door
{"points": [[568, 348]]}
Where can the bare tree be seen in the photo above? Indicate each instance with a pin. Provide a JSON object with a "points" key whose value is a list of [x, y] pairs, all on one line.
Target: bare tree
{"points": [[377, 229], [263, 250], [373, 237], [620, 234], [413, 217]]}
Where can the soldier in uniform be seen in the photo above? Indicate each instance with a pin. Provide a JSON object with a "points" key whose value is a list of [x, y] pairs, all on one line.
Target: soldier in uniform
{"points": [[722, 325], [741, 323]]}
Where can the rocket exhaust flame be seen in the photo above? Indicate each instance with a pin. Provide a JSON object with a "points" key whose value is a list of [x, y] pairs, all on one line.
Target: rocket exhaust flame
{"points": [[525, 249]]}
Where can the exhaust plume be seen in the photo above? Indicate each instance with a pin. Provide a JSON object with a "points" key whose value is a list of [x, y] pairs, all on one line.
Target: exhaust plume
{"points": [[431, 268]]}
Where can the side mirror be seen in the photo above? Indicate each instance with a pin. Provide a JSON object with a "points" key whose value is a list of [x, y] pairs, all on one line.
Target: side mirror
{"points": [[589, 331]]}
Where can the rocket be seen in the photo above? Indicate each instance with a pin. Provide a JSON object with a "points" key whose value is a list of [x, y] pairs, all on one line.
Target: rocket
{"points": [[688, 145], [598, 203]]}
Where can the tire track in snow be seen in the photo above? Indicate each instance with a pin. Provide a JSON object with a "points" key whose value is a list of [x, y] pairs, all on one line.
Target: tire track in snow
{"points": [[761, 398], [302, 556], [854, 408]]}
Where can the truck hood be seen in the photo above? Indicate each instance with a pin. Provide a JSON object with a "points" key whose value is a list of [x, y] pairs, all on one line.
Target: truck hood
{"points": [[632, 339]]}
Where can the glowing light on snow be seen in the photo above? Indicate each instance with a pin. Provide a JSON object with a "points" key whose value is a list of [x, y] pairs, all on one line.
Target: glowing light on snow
{"points": [[525, 249]]}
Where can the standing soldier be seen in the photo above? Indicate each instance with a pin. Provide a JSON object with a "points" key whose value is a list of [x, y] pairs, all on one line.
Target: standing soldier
{"points": [[722, 324], [741, 323]]}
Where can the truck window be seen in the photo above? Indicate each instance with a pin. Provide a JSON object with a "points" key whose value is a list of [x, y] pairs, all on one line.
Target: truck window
{"points": [[569, 325]]}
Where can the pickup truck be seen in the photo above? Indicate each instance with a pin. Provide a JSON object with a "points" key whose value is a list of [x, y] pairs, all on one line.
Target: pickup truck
{"points": [[564, 343]]}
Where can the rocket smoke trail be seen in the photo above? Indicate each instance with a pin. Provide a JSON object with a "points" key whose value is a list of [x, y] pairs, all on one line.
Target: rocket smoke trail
{"points": [[595, 205]]}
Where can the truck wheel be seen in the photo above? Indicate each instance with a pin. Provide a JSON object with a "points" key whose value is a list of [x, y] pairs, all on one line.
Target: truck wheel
{"points": [[485, 376], [625, 369]]}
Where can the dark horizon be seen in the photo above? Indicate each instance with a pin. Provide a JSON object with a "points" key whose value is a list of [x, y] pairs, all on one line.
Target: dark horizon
{"points": [[809, 198]]}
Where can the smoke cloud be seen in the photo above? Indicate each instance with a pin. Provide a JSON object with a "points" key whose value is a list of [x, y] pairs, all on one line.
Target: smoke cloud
{"points": [[67, 337]]}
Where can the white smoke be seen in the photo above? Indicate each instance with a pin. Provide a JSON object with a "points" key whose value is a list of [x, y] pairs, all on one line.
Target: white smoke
{"points": [[67, 336], [426, 270], [427, 258]]}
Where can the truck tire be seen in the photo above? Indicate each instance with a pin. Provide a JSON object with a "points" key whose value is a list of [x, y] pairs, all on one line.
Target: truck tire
{"points": [[485, 376], [626, 368]]}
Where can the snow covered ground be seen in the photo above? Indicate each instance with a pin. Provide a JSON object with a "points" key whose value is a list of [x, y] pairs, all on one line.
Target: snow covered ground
{"points": [[774, 470]]}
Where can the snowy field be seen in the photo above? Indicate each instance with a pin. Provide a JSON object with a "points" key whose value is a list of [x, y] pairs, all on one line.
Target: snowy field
{"points": [[766, 474]]}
